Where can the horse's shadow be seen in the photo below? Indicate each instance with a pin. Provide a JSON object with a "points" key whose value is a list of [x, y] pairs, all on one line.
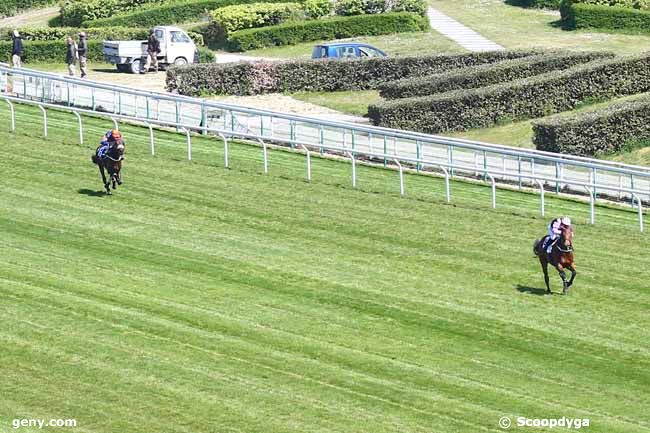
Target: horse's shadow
{"points": [[91, 193], [532, 290]]}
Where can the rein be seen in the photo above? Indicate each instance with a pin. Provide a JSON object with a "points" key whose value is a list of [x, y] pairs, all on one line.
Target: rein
{"points": [[568, 250], [107, 156]]}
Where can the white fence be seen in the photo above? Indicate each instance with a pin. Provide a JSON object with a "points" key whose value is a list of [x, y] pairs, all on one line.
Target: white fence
{"points": [[420, 163]]}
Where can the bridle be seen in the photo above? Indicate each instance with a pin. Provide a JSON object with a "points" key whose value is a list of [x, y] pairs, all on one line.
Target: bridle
{"points": [[568, 249]]}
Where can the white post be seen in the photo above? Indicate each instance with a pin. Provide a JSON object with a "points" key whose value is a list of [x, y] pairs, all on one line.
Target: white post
{"points": [[189, 143], [115, 124], [447, 189], [44, 121], [13, 115], [151, 142], [354, 170], [401, 177], [225, 150], [266, 156], [591, 205], [638, 200], [308, 162], [81, 129], [541, 192], [494, 190]]}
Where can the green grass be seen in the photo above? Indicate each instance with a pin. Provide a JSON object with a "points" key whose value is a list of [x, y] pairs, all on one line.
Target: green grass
{"points": [[399, 44], [351, 102], [516, 27], [200, 299]]}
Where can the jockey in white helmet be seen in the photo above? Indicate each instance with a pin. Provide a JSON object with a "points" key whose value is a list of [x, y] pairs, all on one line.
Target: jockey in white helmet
{"points": [[555, 230]]}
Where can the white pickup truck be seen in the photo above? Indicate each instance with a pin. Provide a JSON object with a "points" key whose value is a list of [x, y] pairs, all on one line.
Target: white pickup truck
{"points": [[176, 47]]}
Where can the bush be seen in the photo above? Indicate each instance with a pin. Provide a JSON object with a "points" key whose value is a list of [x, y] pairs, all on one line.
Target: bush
{"points": [[416, 6], [349, 7], [518, 100], [611, 18], [104, 33], [169, 13], [246, 16], [318, 75], [542, 4], [205, 55], [597, 132], [326, 29], [315, 9], [11, 7], [49, 51], [74, 12], [485, 75]]}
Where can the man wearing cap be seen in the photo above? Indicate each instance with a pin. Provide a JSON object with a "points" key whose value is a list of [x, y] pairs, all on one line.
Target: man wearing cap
{"points": [[71, 55], [17, 49], [82, 49], [153, 49]]}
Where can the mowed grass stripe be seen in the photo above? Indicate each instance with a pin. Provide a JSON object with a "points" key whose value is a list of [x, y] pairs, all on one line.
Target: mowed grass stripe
{"points": [[314, 298]]}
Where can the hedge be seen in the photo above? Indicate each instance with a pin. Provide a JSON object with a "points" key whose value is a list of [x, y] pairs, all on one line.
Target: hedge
{"points": [[326, 29], [169, 13], [518, 100], [484, 75], [11, 7], [542, 4], [597, 132], [609, 18], [49, 51], [248, 78], [245, 16], [104, 33], [74, 12]]}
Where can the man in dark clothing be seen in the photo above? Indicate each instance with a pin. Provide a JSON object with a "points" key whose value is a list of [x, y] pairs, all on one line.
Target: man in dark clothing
{"points": [[17, 49], [82, 49], [71, 56], [153, 49]]}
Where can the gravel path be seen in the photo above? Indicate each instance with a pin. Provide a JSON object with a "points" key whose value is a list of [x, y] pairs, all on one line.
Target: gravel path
{"points": [[37, 17]]}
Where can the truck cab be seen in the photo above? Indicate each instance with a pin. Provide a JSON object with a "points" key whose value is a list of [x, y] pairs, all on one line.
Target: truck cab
{"points": [[176, 48]]}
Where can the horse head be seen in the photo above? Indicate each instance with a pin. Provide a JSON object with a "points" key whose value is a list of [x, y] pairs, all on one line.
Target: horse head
{"points": [[566, 237]]}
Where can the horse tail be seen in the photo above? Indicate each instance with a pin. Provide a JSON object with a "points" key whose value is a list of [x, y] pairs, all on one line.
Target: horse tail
{"points": [[535, 247], [94, 159]]}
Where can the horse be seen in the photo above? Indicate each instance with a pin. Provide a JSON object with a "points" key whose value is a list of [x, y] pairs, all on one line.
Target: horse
{"points": [[112, 163], [561, 257]]}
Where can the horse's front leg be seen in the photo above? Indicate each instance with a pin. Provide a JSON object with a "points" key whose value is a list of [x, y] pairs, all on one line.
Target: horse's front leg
{"points": [[106, 185], [573, 275], [565, 284]]}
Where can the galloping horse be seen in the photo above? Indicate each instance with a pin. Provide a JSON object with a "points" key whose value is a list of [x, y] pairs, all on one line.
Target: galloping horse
{"points": [[561, 257], [112, 162]]}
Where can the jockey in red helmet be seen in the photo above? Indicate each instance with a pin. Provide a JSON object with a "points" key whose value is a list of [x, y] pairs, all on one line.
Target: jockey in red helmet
{"points": [[111, 138]]}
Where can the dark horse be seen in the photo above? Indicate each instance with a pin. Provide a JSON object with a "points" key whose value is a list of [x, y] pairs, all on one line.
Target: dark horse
{"points": [[561, 257], [112, 163]]}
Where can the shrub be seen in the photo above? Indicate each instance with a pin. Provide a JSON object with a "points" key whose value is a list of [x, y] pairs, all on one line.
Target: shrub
{"points": [[315, 9], [168, 13], [349, 7], [484, 75], [318, 75], [246, 16], [416, 6], [11, 7], [542, 4], [521, 99], [375, 6], [596, 132], [104, 33], [49, 51], [74, 12], [205, 55], [326, 29], [612, 18]]}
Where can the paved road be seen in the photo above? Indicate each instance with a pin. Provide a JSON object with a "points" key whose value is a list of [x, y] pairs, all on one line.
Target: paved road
{"points": [[457, 32]]}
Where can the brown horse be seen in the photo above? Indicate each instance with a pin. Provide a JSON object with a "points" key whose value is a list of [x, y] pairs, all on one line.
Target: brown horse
{"points": [[561, 257], [112, 163]]}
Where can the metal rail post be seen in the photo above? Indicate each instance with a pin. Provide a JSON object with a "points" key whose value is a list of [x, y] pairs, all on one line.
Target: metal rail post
{"points": [[189, 143], [151, 141], [308, 152], [592, 217], [447, 188], [541, 193], [266, 155], [13, 115], [401, 177], [81, 128], [44, 120], [354, 169], [226, 163], [494, 190], [638, 200]]}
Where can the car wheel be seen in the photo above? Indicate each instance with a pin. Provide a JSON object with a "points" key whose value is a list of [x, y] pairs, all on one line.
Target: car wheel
{"points": [[181, 61], [136, 66]]}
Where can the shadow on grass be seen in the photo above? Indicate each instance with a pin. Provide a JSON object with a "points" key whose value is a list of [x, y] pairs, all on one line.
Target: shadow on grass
{"points": [[532, 290], [91, 193]]}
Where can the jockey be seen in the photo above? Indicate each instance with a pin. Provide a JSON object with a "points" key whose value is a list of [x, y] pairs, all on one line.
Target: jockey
{"points": [[555, 230], [109, 139]]}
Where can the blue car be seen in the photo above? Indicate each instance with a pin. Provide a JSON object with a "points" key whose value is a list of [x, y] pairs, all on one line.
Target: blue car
{"points": [[345, 51]]}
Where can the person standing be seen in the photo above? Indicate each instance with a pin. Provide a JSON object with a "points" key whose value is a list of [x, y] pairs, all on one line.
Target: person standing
{"points": [[82, 50], [153, 49], [71, 56], [17, 49]]}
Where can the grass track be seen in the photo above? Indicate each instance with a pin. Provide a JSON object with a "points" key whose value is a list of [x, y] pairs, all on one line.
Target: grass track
{"points": [[198, 299]]}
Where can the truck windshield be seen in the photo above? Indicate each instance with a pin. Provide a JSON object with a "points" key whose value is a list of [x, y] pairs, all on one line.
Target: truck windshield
{"points": [[177, 36]]}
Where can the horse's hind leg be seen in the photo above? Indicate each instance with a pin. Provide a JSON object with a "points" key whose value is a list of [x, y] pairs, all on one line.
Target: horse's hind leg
{"points": [[565, 283], [106, 184], [544, 264]]}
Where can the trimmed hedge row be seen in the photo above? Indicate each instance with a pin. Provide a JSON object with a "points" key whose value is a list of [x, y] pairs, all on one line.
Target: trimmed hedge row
{"points": [[49, 51], [597, 132], [104, 33], [612, 18], [168, 13], [542, 4], [326, 29], [245, 16], [318, 75], [485, 75], [518, 100], [74, 12], [11, 7]]}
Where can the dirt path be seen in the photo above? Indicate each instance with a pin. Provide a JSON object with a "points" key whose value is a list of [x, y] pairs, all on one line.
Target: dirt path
{"points": [[33, 18]]}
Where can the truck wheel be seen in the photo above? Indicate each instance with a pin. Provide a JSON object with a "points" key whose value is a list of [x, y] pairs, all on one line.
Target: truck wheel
{"points": [[135, 66], [122, 68], [180, 61]]}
